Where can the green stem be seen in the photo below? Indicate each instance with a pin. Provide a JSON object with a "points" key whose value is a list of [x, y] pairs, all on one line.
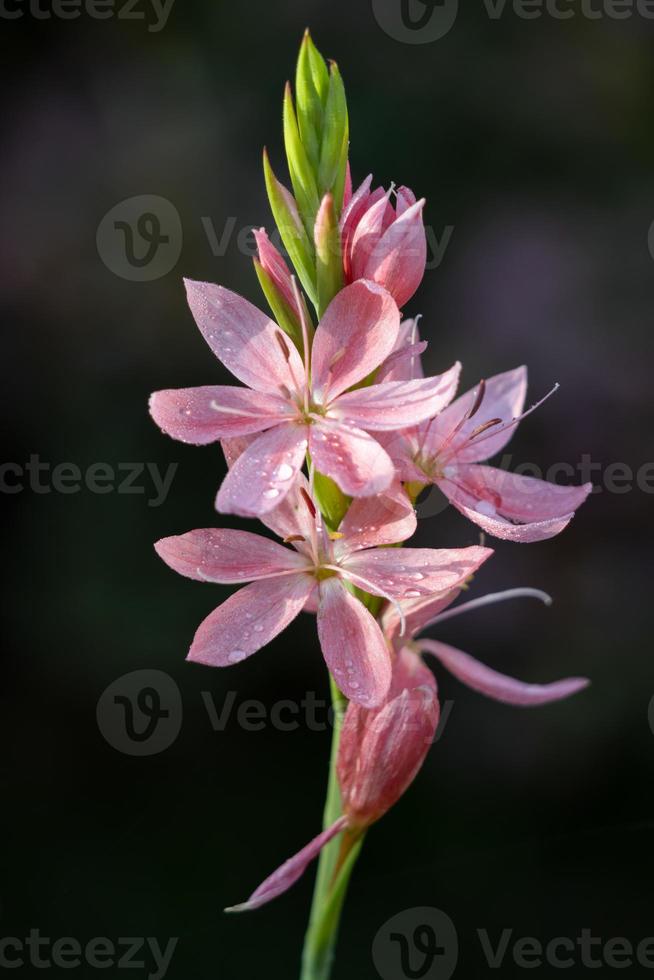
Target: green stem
{"points": [[336, 863]]}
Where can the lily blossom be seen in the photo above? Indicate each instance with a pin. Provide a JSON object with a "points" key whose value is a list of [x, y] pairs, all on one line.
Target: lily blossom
{"points": [[384, 242], [448, 451], [284, 580], [380, 754], [297, 406], [415, 616]]}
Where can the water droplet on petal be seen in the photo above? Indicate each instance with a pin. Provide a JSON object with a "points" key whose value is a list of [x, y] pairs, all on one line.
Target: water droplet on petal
{"points": [[283, 472], [258, 628], [487, 508], [412, 594], [271, 493], [236, 656]]}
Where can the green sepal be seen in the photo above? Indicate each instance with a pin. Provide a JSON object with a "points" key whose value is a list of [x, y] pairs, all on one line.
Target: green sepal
{"points": [[329, 261], [302, 175], [296, 241], [309, 104], [333, 151], [333, 503], [281, 311]]}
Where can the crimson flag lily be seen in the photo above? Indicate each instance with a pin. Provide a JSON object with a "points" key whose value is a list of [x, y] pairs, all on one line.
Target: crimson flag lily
{"points": [[300, 407], [448, 451], [284, 580], [380, 754], [382, 242]]}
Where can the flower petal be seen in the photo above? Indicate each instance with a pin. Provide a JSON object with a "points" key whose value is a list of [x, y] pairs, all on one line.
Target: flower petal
{"points": [[397, 404], [249, 619], [289, 872], [418, 613], [510, 505], [353, 645], [263, 474], [244, 338], [351, 457], [204, 415], [383, 519], [497, 686], [292, 518], [398, 259], [408, 573], [504, 398], [403, 363], [356, 333], [222, 555]]}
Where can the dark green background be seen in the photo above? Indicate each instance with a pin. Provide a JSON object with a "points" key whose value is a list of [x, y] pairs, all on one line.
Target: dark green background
{"points": [[534, 140]]}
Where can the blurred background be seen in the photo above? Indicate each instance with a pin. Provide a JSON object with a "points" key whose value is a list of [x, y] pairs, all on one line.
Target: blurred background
{"points": [[532, 142]]}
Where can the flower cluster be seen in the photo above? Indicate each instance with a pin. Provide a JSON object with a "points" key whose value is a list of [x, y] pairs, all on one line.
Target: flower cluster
{"points": [[331, 436]]}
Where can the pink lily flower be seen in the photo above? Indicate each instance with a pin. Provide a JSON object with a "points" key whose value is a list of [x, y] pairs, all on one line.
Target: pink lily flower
{"points": [[299, 407], [274, 265], [402, 626], [382, 242], [283, 580], [448, 451], [380, 754]]}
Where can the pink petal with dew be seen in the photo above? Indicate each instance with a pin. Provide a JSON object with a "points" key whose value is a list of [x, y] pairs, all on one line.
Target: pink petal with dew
{"points": [[397, 404], [418, 613], [234, 447], [386, 518], [405, 198], [381, 751], [204, 415], [497, 686], [351, 457], [509, 505], [292, 518], [249, 619], [357, 332], [265, 472], [374, 221], [290, 872], [275, 266], [403, 364], [403, 447], [353, 645], [503, 398], [408, 573], [226, 556], [244, 339], [350, 217], [398, 260]]}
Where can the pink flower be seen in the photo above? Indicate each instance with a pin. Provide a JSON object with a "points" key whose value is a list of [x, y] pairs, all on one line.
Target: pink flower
{"points": [[380, 754], [384, 243], [274, 265], [284, 580], [299, 406], [417, 614], [448, 451]]}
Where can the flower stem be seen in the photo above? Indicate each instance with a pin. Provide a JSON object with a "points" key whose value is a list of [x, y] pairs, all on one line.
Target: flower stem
{"points": [[336, 863]]}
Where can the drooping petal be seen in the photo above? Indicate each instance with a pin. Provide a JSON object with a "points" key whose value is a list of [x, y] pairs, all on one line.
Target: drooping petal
{"points": [[398, 259], [504, 398], [397, 404], [264, 473], [289, 872], [353, 645], [356, 333], [249, 619], [417, 613], [371, 521], [497, 686], [203, 415], [510, 505], [222, 555], [408, 573], [245, 339], [351, 457]]}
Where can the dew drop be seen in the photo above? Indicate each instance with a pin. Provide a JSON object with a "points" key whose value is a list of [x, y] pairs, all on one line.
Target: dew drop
{"points": [[283, 472], [258, 628], [236, 656], [487, 508], [412, 594], [271, 493], [417, 576]]}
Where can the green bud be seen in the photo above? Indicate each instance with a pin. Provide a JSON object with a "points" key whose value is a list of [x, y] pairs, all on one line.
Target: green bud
{"points": [[302, 174], [330, 498], [329, 262], [296, 241], [335, 137]]}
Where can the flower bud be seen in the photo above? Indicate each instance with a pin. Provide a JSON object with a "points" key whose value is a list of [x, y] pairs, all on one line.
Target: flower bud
{"points": [[381, 751], [384, 242]]}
